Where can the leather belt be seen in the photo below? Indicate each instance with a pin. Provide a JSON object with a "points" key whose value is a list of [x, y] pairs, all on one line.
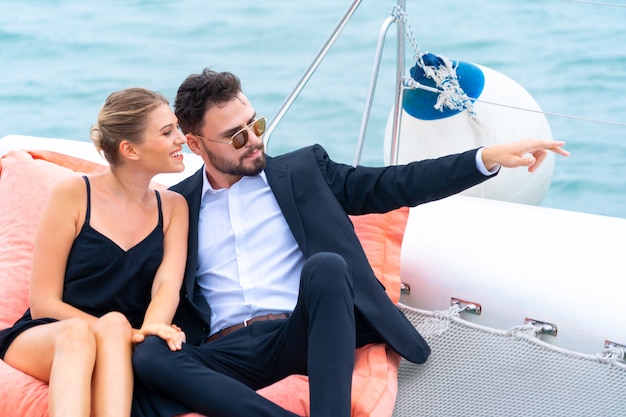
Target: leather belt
{"points": [[228, 330]]}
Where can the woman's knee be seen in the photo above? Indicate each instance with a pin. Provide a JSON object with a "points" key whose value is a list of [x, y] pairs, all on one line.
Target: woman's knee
{"points": [[74, 334], [113, 325]]}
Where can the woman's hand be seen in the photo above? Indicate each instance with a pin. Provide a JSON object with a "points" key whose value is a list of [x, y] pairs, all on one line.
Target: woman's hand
{"points": [[172, 334]]}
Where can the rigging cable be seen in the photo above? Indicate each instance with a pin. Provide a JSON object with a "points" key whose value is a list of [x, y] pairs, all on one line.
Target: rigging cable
{"points": [[597, 3], [414, 84]]}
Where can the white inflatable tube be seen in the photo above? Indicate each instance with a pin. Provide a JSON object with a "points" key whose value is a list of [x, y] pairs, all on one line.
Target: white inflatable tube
{"points": [[519, 262]]}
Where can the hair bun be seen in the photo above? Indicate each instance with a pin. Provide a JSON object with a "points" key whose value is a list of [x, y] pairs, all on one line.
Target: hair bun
{"points": [[96, 136]]}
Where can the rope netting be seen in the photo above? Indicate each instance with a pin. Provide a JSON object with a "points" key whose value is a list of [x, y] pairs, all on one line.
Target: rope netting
{"points": [[478, 371]]}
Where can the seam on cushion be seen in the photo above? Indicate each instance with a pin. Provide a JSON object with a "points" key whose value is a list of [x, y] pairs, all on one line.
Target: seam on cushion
{"points": [[394, 218]]}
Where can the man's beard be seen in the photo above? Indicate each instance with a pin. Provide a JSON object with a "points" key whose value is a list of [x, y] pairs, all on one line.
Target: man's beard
{"points": [[237, 168]]}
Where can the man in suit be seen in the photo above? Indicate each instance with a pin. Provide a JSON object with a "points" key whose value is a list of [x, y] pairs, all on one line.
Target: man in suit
{"points": [[277, 282]]}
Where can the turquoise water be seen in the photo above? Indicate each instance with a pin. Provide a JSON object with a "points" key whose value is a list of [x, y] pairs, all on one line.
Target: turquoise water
{"points": [[60, 59]]}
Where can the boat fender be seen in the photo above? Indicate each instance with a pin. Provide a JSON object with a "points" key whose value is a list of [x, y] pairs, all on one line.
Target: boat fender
{"points": [[461, 77], [453, 106]]}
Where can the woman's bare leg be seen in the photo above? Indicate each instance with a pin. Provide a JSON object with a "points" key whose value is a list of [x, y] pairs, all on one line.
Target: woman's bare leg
{"points": [[63, 355], [113, 374]]}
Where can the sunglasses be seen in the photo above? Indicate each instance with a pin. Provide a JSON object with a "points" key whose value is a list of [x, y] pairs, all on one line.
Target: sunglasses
{"points": [[239, 139]]}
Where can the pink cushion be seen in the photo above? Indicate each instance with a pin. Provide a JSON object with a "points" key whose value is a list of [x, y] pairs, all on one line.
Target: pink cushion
{"points": [[25, 181], [21, 395], [24, 187]]}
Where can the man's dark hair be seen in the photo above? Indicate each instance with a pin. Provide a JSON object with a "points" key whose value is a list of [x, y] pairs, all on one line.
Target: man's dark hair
{"points": [[199, 92]]}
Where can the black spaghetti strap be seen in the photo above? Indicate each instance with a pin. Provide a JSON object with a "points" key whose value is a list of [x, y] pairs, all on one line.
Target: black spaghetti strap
{"points": [[88, 212], [158, 196]]}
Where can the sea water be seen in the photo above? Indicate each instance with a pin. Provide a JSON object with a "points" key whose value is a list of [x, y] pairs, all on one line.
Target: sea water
{"points": [[60, 59]]}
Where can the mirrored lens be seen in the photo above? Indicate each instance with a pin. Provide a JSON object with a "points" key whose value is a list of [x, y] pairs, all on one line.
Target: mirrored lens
{"points": [[240, 139], [259, 126]]}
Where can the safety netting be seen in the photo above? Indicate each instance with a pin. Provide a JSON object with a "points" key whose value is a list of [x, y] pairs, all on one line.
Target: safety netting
{"points": [[474, 370]]}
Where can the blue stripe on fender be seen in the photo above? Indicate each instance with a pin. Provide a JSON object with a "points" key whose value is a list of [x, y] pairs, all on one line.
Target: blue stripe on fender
{"points": [[421, 103]]}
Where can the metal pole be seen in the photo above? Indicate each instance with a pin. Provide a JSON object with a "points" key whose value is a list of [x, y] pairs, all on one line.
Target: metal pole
{"points": [[309, 72], [370, 96], [397, 110]]}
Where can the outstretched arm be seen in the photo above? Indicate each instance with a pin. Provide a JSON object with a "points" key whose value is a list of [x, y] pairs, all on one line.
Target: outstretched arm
{"points": [[527, 152]]}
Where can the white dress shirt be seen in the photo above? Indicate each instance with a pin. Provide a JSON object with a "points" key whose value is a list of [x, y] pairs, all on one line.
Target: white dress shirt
{"points": [[249, 263]]}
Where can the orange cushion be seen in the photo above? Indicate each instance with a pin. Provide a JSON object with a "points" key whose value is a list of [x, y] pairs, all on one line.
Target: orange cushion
{"points": [[381, 236], [73, 163], [374, 385], [25, 181]]}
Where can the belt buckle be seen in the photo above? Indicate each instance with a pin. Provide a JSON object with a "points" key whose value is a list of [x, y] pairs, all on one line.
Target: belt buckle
{"points": [[246, 322]]}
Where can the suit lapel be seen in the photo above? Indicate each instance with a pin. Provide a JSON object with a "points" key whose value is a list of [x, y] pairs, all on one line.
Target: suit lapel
{"points": [[193, 193], [279, 179]]}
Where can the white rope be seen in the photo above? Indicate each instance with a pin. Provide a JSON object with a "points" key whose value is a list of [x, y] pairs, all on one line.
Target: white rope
{"points": [[444, 76], [453, 311], [525, 331], [613, 352], [400, 15]]}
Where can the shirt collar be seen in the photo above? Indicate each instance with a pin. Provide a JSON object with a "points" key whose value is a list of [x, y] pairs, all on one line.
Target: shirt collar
{"points": [[208, 188]]}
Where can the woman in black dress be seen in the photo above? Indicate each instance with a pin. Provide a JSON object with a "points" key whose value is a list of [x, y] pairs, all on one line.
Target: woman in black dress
{"points": [[108, 264]]}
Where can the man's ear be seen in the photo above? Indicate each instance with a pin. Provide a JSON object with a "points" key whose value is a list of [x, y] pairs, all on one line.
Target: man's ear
{"points": [[127, 150], [193, 142]]}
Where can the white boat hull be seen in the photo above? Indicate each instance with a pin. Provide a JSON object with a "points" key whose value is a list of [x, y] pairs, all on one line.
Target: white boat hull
{"points": [[519, 261]]}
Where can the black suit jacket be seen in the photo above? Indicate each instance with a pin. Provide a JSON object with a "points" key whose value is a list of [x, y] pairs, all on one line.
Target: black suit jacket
{"points": [[316, 195]]}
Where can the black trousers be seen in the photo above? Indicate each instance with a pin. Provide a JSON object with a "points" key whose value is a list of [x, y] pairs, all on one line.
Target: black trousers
{"points": [[220, 378]]}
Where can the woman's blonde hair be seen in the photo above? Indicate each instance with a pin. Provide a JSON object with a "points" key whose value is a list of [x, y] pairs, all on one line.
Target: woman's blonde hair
{"points": [[124, 116]]}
